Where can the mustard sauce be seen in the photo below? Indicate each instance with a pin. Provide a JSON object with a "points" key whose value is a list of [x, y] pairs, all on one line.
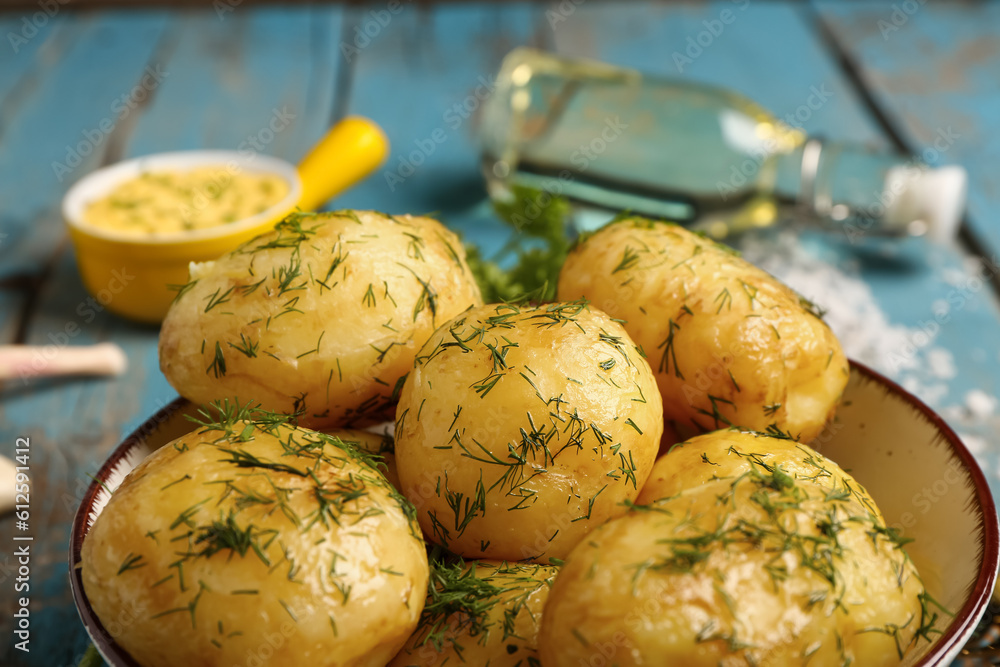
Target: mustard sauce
{"points": [[169, 202]]}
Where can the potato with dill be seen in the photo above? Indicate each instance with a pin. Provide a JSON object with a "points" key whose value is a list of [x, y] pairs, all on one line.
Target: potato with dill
{"points": [[730, 344], [480, 613], [730, 453], [758, 570], [322, 316], [250, 537], [381, 445], [521, 428]]}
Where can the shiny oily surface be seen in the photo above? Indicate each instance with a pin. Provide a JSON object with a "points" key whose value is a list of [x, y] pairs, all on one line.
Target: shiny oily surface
{"points": [[168, 202], [322, 315], [380, 444], [731, 453], [730, 344], [481, 613], [519, 429], [751, 572], [244, 531]]}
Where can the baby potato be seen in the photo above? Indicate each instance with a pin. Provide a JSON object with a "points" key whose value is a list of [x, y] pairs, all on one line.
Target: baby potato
{"points": [[321, 316], [381, 444], [253, 540], [521, 428], [760, 570], [729, 453], [480, 613], [730, 344]]}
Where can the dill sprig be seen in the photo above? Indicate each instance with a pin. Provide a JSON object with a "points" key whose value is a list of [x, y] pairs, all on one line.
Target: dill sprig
{"points": [[223, 415], [469, 600], [538, 248], [455, 593], [224, 534]]}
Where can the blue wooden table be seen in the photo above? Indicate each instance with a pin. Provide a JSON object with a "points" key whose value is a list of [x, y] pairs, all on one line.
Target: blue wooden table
{"points": [[79, 90]]}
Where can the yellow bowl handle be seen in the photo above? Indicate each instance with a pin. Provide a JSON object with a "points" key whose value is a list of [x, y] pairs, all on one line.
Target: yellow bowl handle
{"points": [[352, 149]]}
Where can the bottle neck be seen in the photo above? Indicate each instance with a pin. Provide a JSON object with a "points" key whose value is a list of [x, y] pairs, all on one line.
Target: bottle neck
{"points": [[846, 186]]}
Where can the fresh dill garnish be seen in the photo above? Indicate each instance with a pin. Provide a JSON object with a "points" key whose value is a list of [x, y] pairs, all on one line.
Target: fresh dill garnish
{"points": [[538, 248], [471, 601], [131, 562], [224, 534]]}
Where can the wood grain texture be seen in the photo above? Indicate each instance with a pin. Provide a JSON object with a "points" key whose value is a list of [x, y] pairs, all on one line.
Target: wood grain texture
{"points": [[932, 69], [423, 78], [59, 105]]}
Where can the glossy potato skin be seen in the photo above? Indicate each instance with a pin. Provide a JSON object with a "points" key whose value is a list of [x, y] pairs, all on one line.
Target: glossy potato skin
{"points": [[731, 346], [214, 551], [322, 315], [504, 635], [521, 428], [380, 444], [750, 572], [729, 453]]}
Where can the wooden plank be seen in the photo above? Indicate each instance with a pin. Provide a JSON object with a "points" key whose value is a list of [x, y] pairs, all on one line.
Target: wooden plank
{"points": [[98, 61], [236, 71], [209, 103], [418, 77], [931, 71], [910, 283], [932, 68], [26, 47], [43, 149]]}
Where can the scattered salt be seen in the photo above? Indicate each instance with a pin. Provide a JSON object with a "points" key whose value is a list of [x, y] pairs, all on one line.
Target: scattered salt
{"points": [[980, 404], [941, 363], [953, 276], [973, 443], [852, 311], [907, 355]]}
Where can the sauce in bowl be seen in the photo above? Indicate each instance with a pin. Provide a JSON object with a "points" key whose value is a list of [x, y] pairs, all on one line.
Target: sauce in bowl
{"points": [[171, 202]]}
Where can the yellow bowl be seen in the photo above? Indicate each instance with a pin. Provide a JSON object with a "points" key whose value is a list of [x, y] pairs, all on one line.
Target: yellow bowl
{"points": [[130, 276]]}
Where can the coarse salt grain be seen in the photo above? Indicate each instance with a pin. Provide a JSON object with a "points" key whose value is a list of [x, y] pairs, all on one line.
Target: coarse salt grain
{"points": [[980, 404], [941, 363]]}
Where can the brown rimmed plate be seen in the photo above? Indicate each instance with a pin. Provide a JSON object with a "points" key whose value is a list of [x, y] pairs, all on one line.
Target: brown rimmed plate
{"points": [[925, 481]]}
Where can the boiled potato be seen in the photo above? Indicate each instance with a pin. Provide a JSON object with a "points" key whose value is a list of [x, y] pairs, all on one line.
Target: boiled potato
{"points": [[381, 444], [321, 316], [729, 343], [760, 570], [521, 428], [250, 538], [480, 613], [729, 453]]}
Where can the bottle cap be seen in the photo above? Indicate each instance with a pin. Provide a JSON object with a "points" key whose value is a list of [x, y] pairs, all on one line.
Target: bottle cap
{"points": [[925, 200]]}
